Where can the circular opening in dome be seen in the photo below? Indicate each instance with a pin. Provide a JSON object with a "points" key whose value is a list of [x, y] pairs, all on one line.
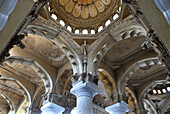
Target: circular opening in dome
{"points": [[73, 111], [62, 22], [69, 28], [77, 31], [92, 31], [100, 28], [164, 90], [154, 91], [54, 16], [107, 22], [115, 16], [119, 8], [85, 31], [159, 92], [49, 8]]}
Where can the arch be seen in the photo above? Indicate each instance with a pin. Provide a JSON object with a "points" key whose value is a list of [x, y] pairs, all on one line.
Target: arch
{"points": [[107, 79], [62, 40], [165, 105], [9, 101], [62, 81], [37, 100], [22, 86], [65, 68], [6, 7], [106, 41], [133, 68], [150, 106], [72, 52], [26, 92], [133, 99], [98, 49], [37, 67], [144, 92], [40, 88], [150, 86]]}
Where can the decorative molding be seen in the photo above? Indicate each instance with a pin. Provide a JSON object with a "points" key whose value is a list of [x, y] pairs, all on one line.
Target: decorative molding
{"points": [[9, 101], [40, 71], [148, 77], [130, 57]]}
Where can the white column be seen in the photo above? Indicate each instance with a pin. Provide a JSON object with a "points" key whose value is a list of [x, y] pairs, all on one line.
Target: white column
{"points": [[51, 108], [6, 7], [164, 6], [84, 93], [118, 108]]}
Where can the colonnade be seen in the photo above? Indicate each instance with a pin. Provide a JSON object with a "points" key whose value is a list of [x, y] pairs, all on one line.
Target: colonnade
{"points": [[84, 92]]}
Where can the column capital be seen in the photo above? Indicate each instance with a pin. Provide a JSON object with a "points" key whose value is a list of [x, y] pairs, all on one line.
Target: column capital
{"points": [[85, 77], [51, 108], [84, 89], [118, 108]]}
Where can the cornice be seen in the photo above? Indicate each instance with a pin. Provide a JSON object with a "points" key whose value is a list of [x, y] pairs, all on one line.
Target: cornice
{"points": [[146, 78], [129, 58]]}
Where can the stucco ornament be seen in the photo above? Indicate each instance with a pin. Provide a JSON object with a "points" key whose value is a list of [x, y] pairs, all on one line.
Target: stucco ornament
{"points": [[85, 8]]}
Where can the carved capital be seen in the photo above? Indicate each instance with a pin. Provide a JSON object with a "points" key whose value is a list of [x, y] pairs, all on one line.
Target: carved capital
{"points": [[85, 77], [88, 89]]}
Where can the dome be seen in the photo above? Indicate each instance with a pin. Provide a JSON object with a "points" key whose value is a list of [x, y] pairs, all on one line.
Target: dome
{"points": [[84, 13]]}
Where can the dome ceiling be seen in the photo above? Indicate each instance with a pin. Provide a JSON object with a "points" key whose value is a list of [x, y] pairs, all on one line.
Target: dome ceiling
{"points": [[85, 13]]}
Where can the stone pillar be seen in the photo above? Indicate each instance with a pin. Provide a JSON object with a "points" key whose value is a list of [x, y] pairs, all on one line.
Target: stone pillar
{"points": [[51, 108], [118, 108], [84, 93]]}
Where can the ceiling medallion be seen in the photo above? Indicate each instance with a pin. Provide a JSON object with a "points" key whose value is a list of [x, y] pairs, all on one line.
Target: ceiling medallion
{"points": [[84, 8], [81, 14]]}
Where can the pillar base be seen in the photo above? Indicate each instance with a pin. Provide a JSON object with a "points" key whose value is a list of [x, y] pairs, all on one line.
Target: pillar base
{"points": [[118, 108], [51, 108]]}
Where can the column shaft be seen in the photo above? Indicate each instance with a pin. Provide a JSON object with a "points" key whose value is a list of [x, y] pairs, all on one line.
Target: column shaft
{"points": [[84, 105], [84, 93]]}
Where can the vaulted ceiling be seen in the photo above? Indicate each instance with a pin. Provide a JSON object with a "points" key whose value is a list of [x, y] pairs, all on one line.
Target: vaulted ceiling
{"points": [[52, 49]]}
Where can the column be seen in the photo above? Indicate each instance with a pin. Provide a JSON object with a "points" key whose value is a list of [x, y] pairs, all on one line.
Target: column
{"points": [[118, 108], [84, 93], [51, 108], [164, 6]]}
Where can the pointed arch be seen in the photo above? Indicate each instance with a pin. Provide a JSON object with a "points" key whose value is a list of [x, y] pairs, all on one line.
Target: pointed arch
{"points": [[108, 80], [165, 105], [133, 68], [106, 40], [43, 74], [9, 101], [150, 106], [24, 91], [68, 46]]}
